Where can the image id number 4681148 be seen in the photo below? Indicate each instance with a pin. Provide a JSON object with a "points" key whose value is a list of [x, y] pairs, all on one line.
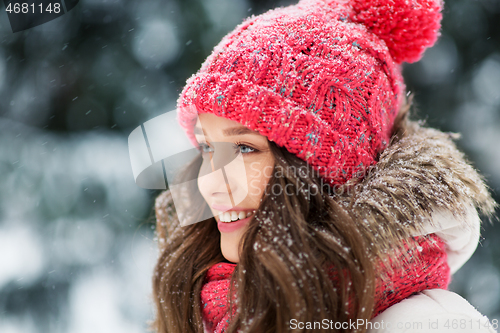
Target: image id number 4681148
{"points": [[32, 8], [26, 14]]}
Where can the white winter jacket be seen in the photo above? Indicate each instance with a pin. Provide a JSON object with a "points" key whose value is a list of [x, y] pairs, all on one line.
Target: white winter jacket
{"points": [[437, 310]]}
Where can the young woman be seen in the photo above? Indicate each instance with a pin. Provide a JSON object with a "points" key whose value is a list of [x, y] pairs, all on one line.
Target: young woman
{"points": [[354, 216]]}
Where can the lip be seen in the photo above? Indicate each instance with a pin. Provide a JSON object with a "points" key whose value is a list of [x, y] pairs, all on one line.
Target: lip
{"points": [[222, 208], [232, 226]]}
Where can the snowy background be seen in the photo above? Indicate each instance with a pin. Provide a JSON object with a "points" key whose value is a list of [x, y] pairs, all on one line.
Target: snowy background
{"points": [[77, 244]]}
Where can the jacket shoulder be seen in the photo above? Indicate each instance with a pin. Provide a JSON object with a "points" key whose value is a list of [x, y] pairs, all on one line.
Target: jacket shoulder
{"points": [[432, 311]]}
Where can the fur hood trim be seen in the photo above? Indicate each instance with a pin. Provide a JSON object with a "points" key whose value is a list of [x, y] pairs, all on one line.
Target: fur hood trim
{"points": [[421, 184]]}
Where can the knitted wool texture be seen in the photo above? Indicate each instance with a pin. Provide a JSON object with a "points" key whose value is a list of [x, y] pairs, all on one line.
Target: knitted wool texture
{"points": [[321, 78], [428, 269]]}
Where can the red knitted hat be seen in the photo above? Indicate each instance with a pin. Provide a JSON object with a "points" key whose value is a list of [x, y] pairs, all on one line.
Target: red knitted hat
{"points": [[321, 78]]}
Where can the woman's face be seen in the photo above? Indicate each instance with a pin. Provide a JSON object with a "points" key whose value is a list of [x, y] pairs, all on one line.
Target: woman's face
{"points": [[219, 193]]}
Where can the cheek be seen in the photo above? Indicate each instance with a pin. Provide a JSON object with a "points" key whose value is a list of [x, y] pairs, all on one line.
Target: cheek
{"points": [[258, 176], [202, 187]]}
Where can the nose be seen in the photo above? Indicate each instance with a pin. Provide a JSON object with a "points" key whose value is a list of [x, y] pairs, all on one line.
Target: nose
{"points": [[226, 184], [213, 185]]}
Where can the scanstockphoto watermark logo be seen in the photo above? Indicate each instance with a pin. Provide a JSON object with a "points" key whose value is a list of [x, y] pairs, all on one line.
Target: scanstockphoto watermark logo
{"points": [[438, 323], [306, 189], [30, 13]]}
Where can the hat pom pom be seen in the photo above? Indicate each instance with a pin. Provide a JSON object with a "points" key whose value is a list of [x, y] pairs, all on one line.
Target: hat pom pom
{"points": [[408, 27]]}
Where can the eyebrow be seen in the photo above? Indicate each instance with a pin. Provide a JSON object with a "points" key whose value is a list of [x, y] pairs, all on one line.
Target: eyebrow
{"points": [[241, 130]]}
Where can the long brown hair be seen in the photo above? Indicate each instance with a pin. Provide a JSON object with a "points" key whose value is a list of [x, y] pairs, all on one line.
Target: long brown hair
{"points": [[285, 258]]}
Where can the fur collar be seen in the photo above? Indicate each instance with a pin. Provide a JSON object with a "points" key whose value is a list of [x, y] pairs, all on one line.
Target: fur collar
{"points": [[421, 174]]}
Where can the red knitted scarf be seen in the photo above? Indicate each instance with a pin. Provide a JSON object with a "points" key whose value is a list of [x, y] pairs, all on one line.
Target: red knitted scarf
{"points": [[427, 269]]}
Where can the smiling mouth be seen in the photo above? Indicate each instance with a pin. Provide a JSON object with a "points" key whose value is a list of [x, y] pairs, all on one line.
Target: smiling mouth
{"points": [[231, 216]]}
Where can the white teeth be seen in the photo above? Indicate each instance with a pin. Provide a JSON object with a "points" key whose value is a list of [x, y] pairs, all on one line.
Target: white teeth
{"points": [[233, 215]]}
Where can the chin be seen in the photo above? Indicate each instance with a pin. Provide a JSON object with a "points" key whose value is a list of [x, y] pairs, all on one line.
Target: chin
{"points": [[233, 259]]}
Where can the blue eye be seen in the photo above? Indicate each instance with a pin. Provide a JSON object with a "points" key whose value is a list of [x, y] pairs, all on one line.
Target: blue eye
{"points": [[204, 148], [244, 149]]}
